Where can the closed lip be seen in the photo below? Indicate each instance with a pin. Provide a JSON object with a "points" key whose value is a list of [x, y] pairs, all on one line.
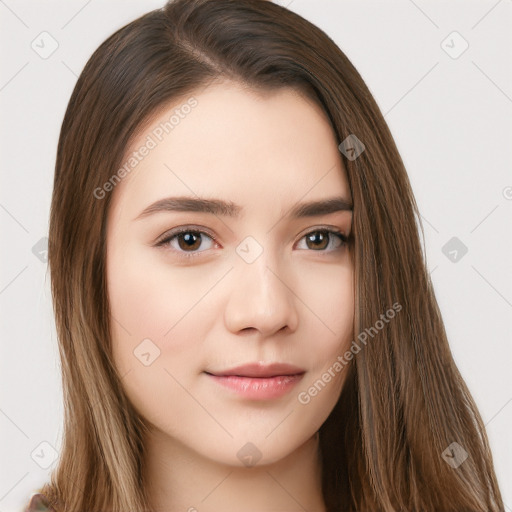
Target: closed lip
{"points": [[260, 369]]}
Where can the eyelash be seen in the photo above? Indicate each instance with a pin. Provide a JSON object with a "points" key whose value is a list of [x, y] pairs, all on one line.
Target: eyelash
{"points": [[166, 238]]}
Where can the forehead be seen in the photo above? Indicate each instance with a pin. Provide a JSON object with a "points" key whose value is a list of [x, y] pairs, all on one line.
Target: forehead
{"points": [[233, 142]]}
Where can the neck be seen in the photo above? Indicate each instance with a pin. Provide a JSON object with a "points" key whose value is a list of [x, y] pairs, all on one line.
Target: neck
{"points": [[182, 480]]}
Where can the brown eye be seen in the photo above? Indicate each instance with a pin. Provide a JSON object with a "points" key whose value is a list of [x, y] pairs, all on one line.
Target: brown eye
{"points": [[186, 242], [320, 239]]}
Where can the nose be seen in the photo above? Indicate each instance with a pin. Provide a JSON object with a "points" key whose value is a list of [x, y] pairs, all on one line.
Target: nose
{"points": [[260, 299]]}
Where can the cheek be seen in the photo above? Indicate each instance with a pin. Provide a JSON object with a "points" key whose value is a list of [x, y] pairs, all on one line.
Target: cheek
{"points": [[329, 313], [154, 340], [154, 320], [147, 296]]}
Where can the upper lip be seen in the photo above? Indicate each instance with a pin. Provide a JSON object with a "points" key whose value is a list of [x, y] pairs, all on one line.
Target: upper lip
{"points": [[260, 369]]}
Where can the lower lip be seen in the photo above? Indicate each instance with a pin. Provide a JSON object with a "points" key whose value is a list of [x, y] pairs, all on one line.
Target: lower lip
{"points": [[259, 388]]}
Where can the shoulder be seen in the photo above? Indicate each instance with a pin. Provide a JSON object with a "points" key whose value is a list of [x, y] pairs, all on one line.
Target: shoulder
{"points": [[38, 503]]}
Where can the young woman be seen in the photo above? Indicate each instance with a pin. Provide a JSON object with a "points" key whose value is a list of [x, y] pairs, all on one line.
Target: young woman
{"points": [[245, 317]]}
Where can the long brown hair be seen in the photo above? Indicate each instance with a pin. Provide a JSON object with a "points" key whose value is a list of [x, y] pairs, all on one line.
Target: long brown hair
{"points": [[404, 403]]}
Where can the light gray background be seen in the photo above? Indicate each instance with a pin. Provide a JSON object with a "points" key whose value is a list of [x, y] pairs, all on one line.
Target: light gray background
{"points": [[451, 119]]}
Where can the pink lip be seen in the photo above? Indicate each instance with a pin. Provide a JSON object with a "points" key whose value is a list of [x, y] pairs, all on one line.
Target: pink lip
{"points": [[260, 369], [259, 388], [260, 381]]}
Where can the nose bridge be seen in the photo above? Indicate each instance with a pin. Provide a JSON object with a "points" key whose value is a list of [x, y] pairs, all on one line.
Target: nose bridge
{"points": [[261, 298]]}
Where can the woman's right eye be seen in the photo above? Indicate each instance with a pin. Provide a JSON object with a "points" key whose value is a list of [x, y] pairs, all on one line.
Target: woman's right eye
{"points": [[185, 241]]}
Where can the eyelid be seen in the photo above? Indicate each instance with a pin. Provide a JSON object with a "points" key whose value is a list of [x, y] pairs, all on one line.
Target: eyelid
{"points": [[184, 229]]}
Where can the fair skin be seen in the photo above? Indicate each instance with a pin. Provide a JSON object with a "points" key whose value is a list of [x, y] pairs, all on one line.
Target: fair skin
{"points": [[294, 303]]}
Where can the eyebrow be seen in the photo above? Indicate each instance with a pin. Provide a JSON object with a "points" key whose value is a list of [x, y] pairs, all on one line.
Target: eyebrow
{"points": [[229, 209]]}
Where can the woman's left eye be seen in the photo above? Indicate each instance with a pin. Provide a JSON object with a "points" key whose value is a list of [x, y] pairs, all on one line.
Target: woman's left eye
{"points": [[321, 236], [187, 241]]}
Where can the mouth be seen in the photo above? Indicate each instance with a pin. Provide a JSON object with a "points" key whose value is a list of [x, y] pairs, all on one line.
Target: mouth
{"points": [[260, 370], [258, 388]]}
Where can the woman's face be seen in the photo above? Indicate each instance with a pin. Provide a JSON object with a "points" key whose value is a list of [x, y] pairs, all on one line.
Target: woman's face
{"points": [[254, 282]]}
